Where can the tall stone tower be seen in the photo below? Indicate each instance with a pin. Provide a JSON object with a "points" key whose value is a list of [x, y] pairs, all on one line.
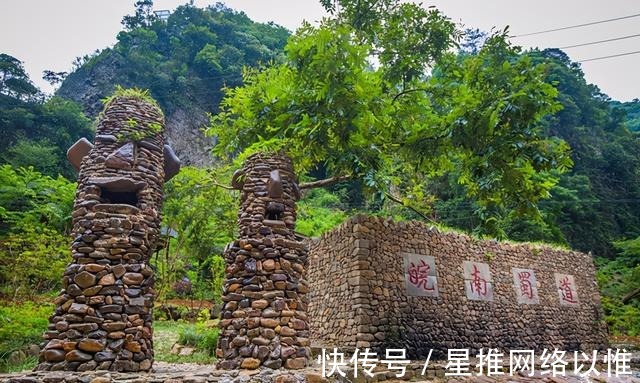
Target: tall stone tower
{"points": [[103, 316], [263, 320]]}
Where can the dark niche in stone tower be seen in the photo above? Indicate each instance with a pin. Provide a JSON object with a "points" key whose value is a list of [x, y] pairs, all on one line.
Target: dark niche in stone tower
{"points": [[102, 318], [264, 321]]}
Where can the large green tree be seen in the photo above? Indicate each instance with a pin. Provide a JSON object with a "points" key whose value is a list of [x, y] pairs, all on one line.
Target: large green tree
{"points": [[358, 98]]}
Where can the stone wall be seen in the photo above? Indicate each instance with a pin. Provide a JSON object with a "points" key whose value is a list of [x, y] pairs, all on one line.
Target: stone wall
{"points": [[381, 284], [263, 321], [102, 318]]}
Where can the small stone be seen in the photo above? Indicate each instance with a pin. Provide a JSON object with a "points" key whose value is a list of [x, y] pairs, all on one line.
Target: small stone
{"points": [[94, 267], [103, 356], [78, 308], [274, 364], [186, 351], [118, 270], [259, 304], [269, 265], [53, 355], [269, 322], [250, 363], [85, 279], [77, 356], [132, 346], [287, 351], [91, 345], [295, 363], [110, 309], [91, 291], [145, 365], [114, 326], [298, 324], [260, 341], [107, 280], [132, 278]]}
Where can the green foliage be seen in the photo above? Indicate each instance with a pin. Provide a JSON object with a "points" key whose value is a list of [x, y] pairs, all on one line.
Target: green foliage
{"points": [[318, 212], [14, 81], [165, 335], [632, 110], [35, 215], [37, 133], [134, 93], [42, 156], [21, 324], [201, 219], [619, 279], [419, 113], [203, 337], [185, 60], [604, 184]]}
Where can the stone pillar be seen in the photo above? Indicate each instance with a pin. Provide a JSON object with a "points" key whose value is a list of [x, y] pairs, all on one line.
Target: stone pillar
{"points": [[263, 321], [103, 315]]}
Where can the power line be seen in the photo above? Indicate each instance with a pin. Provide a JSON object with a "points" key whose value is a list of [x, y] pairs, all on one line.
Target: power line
{"points": [[578, 25], [600, 41], [608, 57]]}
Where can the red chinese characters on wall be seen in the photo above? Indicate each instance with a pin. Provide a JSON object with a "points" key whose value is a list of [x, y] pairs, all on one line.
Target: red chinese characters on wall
{"points": [[567, 289], [478, 284], [420, 275], [525, 285]]}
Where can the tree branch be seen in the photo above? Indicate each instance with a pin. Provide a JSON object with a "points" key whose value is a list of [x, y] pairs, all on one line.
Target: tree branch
{"points": [[396, 200], [634, 294], [408, 91], [324, 183], [223, 186]]}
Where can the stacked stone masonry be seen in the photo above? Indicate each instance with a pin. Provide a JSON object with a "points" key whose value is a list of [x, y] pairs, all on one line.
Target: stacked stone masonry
{"points": [[380, 284], [102, 318], [263, 320]]}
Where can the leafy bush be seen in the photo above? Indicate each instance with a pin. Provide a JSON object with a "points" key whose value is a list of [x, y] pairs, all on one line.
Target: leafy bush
{"points": [[35, 216], [201, 336], [22, 324], [620, 278], [188, 336], [319, 212]]}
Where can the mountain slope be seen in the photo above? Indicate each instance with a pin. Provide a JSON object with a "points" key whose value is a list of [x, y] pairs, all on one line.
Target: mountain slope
{"points": [[184, 61]]}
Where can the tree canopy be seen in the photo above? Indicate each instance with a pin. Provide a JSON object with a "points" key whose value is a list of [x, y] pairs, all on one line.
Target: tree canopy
{"points": [[356, 96]]}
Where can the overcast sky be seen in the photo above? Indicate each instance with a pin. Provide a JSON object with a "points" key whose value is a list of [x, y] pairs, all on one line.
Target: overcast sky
{"points": [[48, 34]]}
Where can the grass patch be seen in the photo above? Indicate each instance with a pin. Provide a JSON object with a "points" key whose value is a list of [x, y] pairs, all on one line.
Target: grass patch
{"points": [[21, 324], [26, 364], [202, 336]]}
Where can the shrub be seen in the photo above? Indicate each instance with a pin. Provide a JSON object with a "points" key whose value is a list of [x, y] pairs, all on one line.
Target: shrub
{"points": [[202, 337], [22, 324]]}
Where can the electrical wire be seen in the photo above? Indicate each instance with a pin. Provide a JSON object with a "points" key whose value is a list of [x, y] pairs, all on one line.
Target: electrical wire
{"points": [[600, 41], [608, 57], [577, 25]]}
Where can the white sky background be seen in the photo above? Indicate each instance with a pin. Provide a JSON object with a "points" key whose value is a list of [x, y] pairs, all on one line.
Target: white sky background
{"points": [[48, 34]]}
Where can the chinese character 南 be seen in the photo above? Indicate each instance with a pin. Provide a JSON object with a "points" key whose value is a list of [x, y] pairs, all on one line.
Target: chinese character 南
{"points": [[477, 280], [478, 284]]}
